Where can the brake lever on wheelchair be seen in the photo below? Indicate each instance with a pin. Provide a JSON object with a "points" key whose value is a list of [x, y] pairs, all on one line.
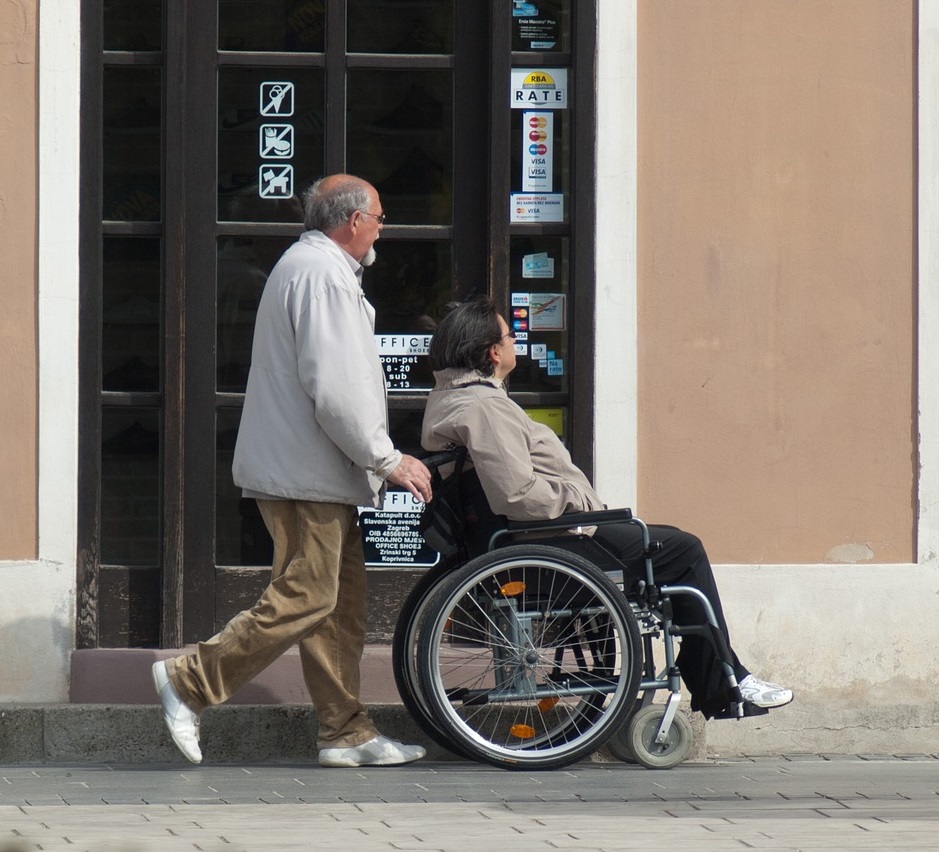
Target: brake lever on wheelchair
{"points": [[649, 593]]}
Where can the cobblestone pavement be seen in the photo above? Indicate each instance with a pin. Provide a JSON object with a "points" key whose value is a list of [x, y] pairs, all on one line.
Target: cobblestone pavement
{"points": [[799, 802]]}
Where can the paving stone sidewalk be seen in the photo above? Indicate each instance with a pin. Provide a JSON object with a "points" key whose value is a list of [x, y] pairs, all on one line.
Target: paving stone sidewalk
{"points": [[797, 802]]}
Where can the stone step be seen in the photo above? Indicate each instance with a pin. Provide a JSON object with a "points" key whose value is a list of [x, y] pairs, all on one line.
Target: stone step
{"points": [[135, 733], [122, 676]]}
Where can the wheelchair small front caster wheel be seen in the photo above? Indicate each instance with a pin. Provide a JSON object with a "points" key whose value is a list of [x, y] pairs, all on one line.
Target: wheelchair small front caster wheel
{"points": [[637, 739], [618, 744]]}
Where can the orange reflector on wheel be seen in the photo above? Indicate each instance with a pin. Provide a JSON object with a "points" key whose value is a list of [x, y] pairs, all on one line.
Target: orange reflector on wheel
{"points": [[547, 704], [510, 590], [523, 732]]}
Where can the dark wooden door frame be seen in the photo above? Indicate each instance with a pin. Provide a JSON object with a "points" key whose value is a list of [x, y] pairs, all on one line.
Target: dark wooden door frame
{"points": [[190, 60]]}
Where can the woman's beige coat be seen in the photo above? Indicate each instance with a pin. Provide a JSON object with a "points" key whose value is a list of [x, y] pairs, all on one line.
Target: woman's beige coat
{"points": [[525, 470]]}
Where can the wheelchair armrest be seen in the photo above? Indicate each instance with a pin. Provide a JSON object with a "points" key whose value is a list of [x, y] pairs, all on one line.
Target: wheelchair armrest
{"points": [[565, 522], [573, 519]]}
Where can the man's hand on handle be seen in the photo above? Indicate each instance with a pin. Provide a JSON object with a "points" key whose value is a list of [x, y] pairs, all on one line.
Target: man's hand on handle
{"points": [[412, 474]]}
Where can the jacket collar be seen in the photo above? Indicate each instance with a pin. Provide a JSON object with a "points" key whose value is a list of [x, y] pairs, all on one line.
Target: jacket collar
{"points": [[320, 240], [457, 377]]}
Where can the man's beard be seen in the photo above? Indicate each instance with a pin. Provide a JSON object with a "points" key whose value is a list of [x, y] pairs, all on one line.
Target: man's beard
{"points": [[369, 258]]}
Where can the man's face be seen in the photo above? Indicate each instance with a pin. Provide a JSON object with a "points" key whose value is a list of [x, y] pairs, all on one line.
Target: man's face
{"points": [[367, 229]]}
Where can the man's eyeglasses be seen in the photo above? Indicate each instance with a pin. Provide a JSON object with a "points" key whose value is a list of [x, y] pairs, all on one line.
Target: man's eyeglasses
{"points": [[511, 334], [378, 217]]}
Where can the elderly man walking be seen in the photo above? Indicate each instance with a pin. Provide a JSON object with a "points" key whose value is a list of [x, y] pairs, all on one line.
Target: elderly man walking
{"points": [[312, 446]]}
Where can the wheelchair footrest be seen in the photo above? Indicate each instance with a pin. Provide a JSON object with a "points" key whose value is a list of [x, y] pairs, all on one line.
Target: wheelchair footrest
{"points": [[748, 710]]}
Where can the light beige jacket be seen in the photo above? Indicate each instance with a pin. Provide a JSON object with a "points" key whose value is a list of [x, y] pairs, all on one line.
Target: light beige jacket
{"points": [[315, 424], [525, 470]]}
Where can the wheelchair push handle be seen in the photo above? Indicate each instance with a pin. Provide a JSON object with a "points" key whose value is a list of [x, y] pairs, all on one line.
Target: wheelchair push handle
{"points": [[434, 461]]}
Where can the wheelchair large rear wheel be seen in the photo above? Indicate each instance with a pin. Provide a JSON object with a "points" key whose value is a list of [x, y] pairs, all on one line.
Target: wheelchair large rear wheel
{"points": [[529, 657]]}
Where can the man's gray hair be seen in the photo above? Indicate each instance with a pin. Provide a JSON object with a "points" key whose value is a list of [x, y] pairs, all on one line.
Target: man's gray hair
{"points": [[327, 210]]}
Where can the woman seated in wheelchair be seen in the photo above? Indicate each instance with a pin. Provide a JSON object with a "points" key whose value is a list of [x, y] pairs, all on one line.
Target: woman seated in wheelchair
{"points": [[527, 474]]}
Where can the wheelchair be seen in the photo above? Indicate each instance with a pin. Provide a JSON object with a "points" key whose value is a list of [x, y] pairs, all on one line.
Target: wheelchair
{"points": [[532, 647]]}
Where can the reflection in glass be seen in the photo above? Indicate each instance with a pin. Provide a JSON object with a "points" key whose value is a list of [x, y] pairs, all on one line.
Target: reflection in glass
{"points": [[404, 426], [401, 139], [400, 26], [291, 26], [130, 315], [270, 142], [130, 486], [131, 155], [133, 24], [539, 284], [408, 286], [243, 266], [240, 535], [541, 25]]}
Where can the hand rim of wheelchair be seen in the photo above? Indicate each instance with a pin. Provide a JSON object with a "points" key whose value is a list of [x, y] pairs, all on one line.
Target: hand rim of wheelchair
{"points": [[600, 704]]}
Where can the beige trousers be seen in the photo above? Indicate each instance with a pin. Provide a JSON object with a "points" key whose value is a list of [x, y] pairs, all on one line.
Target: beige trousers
{"points": [[316, 598]]}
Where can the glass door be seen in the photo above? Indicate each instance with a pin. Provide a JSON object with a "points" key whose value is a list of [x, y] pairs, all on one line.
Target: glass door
{"points": [[203, 123]]}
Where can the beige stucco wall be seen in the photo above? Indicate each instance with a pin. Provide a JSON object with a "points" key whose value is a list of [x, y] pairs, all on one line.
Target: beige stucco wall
{"points": [[776, 276], [18, 291]]}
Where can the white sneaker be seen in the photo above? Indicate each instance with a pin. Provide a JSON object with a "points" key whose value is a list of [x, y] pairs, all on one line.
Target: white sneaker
{"points": [[183, 724], [379, 751], [764, 694]]}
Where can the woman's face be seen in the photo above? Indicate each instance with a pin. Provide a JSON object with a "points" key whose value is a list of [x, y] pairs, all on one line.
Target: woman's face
{"points": [[502, 354]]}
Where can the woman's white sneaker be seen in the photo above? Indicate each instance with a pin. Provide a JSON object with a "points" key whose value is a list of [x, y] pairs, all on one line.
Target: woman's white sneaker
{"points": [[378, 751], [764, 694]]}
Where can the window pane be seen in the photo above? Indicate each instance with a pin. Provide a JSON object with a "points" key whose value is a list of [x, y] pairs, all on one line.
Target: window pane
{"points": [[243, 266], [540, 313], [270, 142], [404, 426], [133, 24], [130, 486], [292, 26], [401, 139], [408, 286], [541, 25], [130, 334], [131, 155], [240, 535], [400, 26]]}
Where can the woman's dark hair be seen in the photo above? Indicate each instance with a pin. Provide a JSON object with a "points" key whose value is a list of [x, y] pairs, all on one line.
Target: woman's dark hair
{"points": [[463, 338]]}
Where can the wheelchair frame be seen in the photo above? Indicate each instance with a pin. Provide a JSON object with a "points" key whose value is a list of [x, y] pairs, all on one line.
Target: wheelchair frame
{"points": [[604, 709]]}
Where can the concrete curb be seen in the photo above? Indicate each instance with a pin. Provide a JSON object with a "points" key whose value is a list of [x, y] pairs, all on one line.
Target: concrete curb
{"points": [[231, 734]]}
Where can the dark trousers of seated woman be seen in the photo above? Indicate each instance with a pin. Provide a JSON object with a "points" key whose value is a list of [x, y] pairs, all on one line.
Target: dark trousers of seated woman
{"points": [[682, 561]]}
